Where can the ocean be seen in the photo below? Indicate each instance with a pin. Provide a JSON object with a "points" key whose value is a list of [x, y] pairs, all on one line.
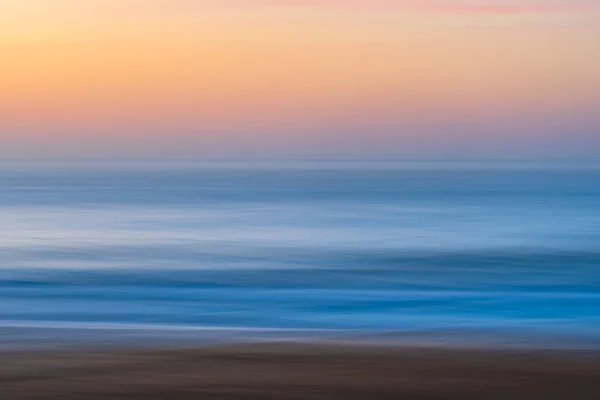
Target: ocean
{"points": [[116, 253]]}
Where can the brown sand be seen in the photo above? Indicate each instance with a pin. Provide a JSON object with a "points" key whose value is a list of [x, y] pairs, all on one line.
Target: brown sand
{"points": [[295, 371]]}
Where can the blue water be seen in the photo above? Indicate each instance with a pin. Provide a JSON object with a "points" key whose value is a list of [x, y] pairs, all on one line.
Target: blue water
{"points": [[404, 247]]}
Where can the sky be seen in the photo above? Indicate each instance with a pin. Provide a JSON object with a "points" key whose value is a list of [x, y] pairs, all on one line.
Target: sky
{"points": [[299, 78]]}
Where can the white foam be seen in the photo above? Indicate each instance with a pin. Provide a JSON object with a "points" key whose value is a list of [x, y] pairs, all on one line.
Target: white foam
{"points": [[157, 327]]}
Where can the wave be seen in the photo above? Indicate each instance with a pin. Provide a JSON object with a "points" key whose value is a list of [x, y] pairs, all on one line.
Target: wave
{"points": [[534, 270]]}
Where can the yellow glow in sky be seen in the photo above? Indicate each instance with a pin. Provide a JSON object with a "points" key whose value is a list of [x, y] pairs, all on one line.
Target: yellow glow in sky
{"points": [[79, 72]]}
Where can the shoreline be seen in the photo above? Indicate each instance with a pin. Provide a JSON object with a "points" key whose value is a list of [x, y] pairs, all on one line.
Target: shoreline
{"points": [[294, 370], [22, 337]]}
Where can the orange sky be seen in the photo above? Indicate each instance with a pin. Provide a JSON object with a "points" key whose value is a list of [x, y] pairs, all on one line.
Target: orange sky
{"points": [[101, 78]]}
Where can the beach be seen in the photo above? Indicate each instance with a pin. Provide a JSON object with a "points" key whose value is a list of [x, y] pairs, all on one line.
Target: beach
{"points": [[289, 370], [409, 281], [300, 199]]}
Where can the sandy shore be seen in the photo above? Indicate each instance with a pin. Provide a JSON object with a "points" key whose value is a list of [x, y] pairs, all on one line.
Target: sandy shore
{"points": [[300, 371]]}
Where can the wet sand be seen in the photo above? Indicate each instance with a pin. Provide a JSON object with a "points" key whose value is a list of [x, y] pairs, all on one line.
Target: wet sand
{"points": [[301, 371]]}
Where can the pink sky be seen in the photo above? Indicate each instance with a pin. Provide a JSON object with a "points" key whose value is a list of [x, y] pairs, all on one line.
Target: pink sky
{"points": [[299, 77]]}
